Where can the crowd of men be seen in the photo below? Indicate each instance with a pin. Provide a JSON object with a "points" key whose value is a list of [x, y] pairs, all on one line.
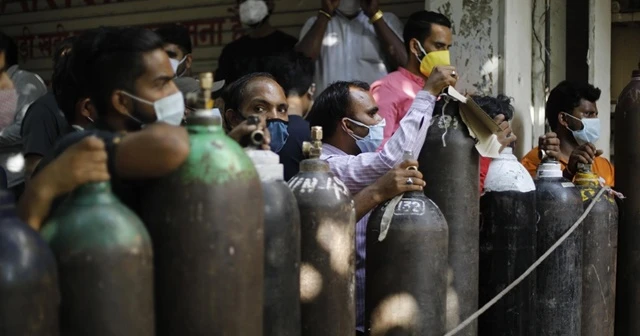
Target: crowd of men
{"points": [[116, 105]]}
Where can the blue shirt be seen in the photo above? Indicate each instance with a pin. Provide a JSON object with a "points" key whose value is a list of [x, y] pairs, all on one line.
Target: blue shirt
{"points": [[291, 153]]}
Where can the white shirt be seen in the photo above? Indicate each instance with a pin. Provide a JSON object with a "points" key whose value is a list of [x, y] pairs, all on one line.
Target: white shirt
{"points": [[351, 49]]}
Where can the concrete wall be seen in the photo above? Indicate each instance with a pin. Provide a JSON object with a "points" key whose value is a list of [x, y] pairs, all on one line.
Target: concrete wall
{"points": [[475, 42], [599, 60], [38, 25]]}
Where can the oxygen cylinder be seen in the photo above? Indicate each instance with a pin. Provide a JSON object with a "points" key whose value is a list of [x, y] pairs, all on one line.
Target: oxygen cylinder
{"points": [[29, 297], [600, 247], [507, 247], [206, 220], [105, 264], [559, 277], [627, 138], [327, 231], [449, 162], [282, 247], [406, 267]]}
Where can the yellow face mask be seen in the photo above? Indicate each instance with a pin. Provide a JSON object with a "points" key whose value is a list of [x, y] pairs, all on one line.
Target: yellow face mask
{"points": [[433, 59]]}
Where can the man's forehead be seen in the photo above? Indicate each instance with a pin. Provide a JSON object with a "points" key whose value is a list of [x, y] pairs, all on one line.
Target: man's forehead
{"points": [[265, 86], [587, 106], [156, 64]]}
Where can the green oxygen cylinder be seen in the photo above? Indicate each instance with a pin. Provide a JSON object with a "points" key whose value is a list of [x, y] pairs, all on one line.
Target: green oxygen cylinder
{"points": [[207, 220], [105, 265]]}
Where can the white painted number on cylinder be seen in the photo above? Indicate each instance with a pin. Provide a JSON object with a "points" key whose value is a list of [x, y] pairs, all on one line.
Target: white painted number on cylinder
{"points": [[410, 206]]}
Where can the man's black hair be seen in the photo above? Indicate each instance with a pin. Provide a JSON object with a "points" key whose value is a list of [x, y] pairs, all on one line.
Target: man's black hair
{"points": [[419, 26], [10, 49], [67, 89], [495, 105], [332, 105], [235, 94], [176, 34], [567, 96], [114, 60], [293, 71]]}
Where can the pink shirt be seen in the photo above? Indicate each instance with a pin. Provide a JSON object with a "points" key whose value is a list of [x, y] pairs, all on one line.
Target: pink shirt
{"points": [[394, 94]]}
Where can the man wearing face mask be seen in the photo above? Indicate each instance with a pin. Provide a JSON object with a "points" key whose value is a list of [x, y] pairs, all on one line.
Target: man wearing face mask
{"points": [[427, 39], [130, 81], [177, 44], [353, 130], [294, 72], [257, 94], [261, 40], [352, 39], [572, 113], [66, 109]]}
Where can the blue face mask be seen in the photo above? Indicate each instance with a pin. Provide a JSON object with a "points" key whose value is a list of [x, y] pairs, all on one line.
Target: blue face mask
{"points": [[373, 140], [279, 131]]}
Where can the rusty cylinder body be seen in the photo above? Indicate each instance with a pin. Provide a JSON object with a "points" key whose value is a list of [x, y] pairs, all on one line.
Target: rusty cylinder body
{"points": [[406, 281], [449, 162], [507, 248], [281, 247], [206, 220], [627, 138], [327, 268], [559, 277], [599, 256], [29, 297]]}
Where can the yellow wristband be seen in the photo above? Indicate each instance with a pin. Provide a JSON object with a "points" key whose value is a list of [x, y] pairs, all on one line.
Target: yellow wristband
{"points": [[377, 16], [325, 14]]}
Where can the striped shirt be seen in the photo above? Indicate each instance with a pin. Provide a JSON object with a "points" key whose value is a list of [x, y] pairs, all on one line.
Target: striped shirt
{"points": [[360, 171]]}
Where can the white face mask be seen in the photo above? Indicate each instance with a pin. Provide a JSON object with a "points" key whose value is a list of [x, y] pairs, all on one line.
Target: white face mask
{"points": [[590, 132], [349, 7], [253, 12], [175, 64], [169, 109], [373, 140]]}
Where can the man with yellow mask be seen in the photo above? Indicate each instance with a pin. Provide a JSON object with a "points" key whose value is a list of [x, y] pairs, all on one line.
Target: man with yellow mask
{"points": [[427, 39]]}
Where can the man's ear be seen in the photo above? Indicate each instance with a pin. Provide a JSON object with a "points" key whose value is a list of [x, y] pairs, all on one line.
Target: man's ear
{"points": [[85, 108], [231, 119], [121, 102], [312, 90], [561, 119], [188, 61]]}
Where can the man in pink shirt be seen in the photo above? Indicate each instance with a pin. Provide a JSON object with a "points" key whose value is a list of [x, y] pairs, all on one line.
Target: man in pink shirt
{"points": [[424, 32]]}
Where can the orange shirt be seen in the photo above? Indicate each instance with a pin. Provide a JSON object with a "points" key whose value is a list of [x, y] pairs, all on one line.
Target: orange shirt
{"points": [[601, 166]]}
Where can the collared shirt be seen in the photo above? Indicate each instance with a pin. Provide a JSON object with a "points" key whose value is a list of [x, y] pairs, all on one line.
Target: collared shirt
{"points": [[351, 49], [360, 171], [394, 94], [29, 87], [601, 166]]}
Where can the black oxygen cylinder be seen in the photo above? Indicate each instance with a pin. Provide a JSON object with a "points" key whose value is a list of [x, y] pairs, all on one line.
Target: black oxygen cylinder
{"points": [[627, 138], [282, 248], [559, 277], [29, 297], [406, 267], [507, 248], [449, 162], [599, 256], [327, 231]]}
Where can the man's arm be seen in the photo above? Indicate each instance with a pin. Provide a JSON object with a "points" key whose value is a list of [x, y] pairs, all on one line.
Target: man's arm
{"points": [[83, 162], [389, 29], [358, 172], [390, 185], [312, 35], [155, 151]]}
